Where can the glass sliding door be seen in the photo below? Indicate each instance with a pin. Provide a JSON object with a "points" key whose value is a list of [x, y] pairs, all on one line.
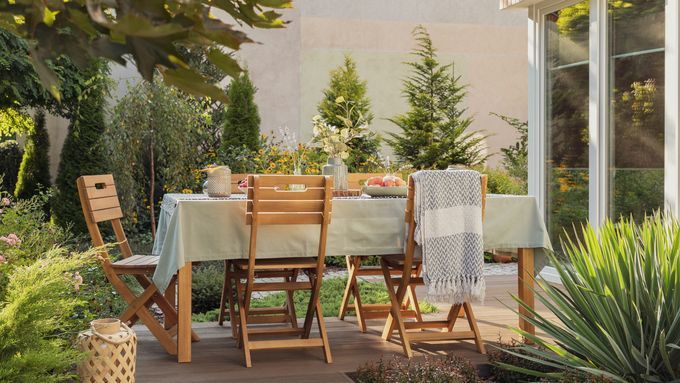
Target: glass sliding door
{"points": [[636, 107], [566, 40]]}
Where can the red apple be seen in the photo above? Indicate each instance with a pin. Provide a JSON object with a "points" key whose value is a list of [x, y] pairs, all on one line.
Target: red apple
{"points": [[374, 181]]}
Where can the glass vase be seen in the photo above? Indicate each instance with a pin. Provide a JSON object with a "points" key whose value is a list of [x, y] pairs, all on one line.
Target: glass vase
{"points": [[336, 168]]}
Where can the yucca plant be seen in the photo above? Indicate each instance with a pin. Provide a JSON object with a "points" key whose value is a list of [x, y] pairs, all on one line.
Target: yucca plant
{"points": [[618, 311]]}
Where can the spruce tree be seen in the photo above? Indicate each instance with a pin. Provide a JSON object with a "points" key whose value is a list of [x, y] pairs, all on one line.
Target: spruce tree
{"points": [[242, 119], [345, 83], [34, 173], [434, 132], [83, 151]]}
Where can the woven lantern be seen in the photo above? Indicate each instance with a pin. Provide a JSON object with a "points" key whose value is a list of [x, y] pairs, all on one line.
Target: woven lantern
{"points": [[112, 352]]}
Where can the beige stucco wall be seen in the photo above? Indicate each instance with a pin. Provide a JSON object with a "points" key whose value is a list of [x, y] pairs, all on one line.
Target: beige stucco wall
{"points": [[290, 66], [487, 45]]}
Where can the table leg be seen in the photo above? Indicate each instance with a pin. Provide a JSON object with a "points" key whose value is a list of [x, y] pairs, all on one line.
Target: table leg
{"points": [[525, 286], [184, 314]]}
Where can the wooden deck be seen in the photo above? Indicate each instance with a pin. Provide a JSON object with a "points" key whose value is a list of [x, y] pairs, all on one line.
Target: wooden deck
{"points": [[216, 358]]}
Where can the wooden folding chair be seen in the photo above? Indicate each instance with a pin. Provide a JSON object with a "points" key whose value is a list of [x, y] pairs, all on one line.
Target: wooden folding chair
{"points": [[99, 201], [283, 314], [356, 269], [269, 203], [397, 288], [363, 311]]}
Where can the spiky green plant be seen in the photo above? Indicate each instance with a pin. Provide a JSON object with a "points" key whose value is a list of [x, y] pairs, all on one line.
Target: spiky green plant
{"points": [[36, 319], [618, 311]]}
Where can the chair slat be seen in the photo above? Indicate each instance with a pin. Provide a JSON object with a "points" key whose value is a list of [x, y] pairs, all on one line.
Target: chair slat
{"points": [[104, 203], [286, 218], [108, 191], [279, 180], [107, 214], [286, 195], [92, 181], [304, 206]]}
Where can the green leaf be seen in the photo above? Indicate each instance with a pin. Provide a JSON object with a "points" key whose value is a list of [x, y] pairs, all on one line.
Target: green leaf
{"points": [[276, 3], [193, 83], [225, 62], [47, 76]]}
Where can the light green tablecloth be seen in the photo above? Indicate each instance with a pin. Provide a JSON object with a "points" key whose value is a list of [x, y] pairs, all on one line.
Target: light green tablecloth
{"points": [[195, 228]]}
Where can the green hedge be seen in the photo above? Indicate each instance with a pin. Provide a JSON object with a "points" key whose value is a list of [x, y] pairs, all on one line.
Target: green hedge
{"points": [[10, 161]]}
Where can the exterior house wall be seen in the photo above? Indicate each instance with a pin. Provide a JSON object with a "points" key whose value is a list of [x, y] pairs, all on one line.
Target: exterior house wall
{"points": [[291, 66]]}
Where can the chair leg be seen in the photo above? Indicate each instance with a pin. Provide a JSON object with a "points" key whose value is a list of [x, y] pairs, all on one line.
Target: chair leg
{"points": [[473, 326], [413, 300], [358, 308], [395, 312], [309, 316], [290, 302], [348, 287], [453, 316], [322, 331], [225, 294], [243, 331], [137, 308], [171, 296], [232, 310]]}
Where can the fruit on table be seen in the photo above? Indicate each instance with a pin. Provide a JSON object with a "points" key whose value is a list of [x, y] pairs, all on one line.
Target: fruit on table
{"points": [[243, 183], [386, 181], [375, 181]]}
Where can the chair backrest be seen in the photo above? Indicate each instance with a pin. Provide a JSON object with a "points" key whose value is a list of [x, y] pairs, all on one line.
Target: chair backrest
{"points": [[357, 180], [99, 201], [410, 220], [410, 197], [271, 202]]}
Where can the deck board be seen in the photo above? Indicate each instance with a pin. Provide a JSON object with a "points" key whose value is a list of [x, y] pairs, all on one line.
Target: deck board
{"points": [[216, 358]]}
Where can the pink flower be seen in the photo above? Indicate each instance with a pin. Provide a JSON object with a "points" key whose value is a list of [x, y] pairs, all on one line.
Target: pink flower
{"points": [[2, 259], [11, 240], [77, 281], [5, 202]]}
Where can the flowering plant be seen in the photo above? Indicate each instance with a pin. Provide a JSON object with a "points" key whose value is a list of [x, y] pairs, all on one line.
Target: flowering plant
{"points": [[334, 139]]}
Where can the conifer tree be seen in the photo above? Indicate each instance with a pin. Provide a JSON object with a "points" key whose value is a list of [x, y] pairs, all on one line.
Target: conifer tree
{"points": [[434, 132], [83, 152], [242, 119], [34, 173], [345, 82]]}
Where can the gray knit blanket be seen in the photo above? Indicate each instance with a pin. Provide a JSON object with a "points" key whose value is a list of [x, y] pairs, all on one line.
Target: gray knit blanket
{"points": [[448, 216]]}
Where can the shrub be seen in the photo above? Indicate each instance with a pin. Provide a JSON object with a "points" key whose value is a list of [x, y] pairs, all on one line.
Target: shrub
{"points": [[618, 309], [273, 157], [10, 161], [83, 151], [206, 287], [34, 173], [345, 83], [434, 132], [450, 369], [36, 316], [242, 119], [153, 145], [500, 182], [515, 157], [499, 356]]}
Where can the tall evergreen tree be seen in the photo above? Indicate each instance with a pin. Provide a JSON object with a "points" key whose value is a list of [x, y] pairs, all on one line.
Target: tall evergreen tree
{"points": [[242, 119], [34, 173], [83, 151], [434, 132], [345, 83]]}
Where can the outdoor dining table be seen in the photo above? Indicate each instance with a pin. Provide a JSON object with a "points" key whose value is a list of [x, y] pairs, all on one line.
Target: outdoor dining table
{"points": [[196, 228]]}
